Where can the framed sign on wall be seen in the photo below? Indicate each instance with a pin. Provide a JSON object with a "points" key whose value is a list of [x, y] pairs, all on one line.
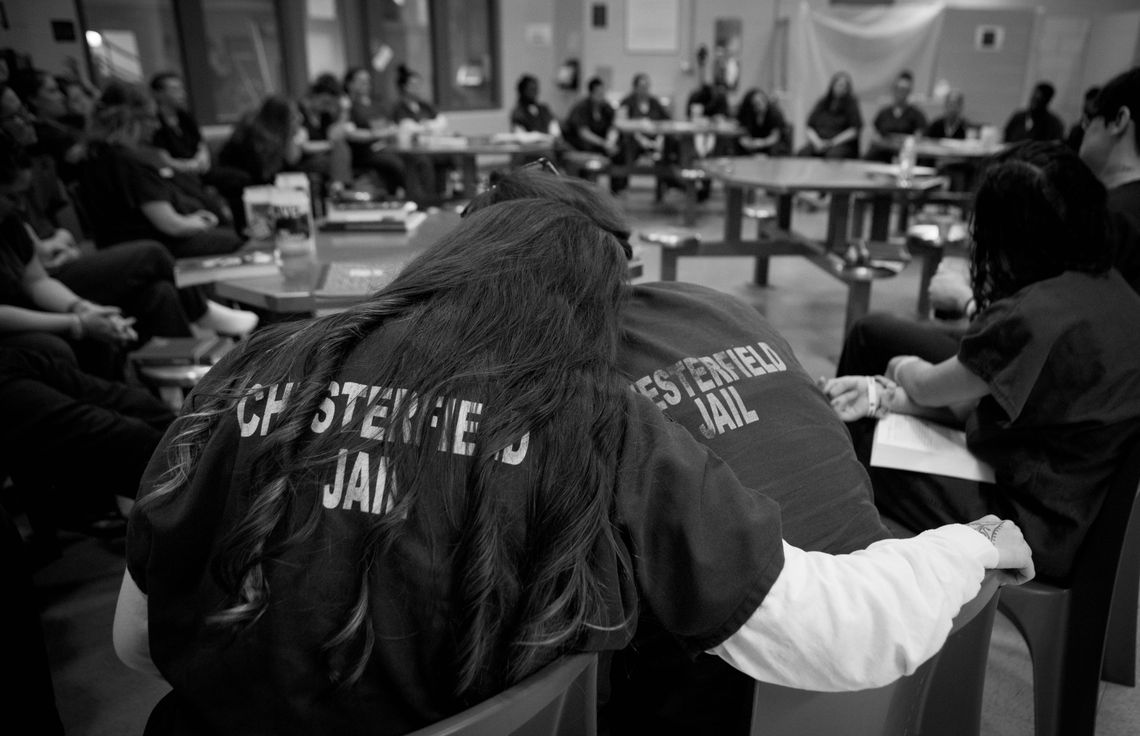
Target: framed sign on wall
{"points": [[652, 26]]}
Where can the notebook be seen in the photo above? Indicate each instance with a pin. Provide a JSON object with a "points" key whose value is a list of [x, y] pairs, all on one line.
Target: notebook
{"points": [[351, 281], [208, 269], [906, 442], [181, 351]]}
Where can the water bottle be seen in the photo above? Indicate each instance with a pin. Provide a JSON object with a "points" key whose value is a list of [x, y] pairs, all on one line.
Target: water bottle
{"points": [[906, 159]]}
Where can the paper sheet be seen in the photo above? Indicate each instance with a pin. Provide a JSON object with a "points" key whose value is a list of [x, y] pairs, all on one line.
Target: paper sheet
{"points": [[905, 442]]}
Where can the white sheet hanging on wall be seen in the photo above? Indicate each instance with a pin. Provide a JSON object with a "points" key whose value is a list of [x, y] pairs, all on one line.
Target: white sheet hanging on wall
{"points": [[872, 45]]}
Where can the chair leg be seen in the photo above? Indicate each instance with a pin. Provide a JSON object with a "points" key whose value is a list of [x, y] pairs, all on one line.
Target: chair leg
{"points": [[1120, 640], [1066, 670]]}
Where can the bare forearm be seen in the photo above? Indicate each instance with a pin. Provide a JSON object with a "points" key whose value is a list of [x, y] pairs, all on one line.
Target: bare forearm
{"points": [[19, 319]]}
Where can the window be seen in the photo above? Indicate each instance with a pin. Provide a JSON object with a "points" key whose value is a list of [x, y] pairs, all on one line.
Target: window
{"points": [[243, 54], [131, 40], [228, 51], [465, 54], [452, 44]]}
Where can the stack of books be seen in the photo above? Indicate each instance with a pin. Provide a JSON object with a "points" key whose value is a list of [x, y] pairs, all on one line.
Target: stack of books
{"points": [[349, 213]]}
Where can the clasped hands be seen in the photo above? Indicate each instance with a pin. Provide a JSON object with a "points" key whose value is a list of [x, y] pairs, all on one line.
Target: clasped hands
{"points": [[106, 324]]}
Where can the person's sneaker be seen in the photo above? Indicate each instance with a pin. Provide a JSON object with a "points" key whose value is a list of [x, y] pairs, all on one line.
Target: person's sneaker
{"points": [[228, 321]]}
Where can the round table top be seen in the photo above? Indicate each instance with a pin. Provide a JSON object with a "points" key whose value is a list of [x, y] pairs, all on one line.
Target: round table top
{"points": [[791, 174]]}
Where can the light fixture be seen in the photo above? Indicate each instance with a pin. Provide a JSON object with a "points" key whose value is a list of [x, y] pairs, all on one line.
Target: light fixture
{"points": [[94, 39]]}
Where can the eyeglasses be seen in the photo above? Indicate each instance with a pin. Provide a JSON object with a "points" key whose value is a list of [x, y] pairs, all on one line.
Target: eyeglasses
{"points": [[541, 163]]}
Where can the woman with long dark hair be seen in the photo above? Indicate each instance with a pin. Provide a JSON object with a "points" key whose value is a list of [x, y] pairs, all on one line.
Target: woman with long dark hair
{"points": [[265, 142], [764, 128], [1046, 379], [369, 521], [835, 122]]}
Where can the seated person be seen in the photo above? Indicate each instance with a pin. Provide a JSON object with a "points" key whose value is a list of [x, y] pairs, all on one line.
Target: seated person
{"points": [[1046, 378], [369, 130], [59, 144], [721, 371], [427, 176], [78, 103], [319, 583], [178, 136], [1035, 123], [530, 115], [834, 123], [710, 102], [590, 127], [1088, 108], [80, 438], [127, 198], [324, 115], [640, 104], [765, 131], [952, 124], [900, 118]]}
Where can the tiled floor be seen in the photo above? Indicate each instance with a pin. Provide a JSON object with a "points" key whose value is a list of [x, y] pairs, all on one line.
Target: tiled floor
{"points": [[100, 697]]}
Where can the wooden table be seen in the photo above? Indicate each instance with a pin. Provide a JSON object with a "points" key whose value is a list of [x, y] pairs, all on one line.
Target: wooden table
{"points": [[291, 295], [390, 251], [782, 178], [685, 133]]}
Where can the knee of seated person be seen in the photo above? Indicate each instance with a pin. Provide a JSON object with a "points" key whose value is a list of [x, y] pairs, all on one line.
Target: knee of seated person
{"points": [[44, 346]]}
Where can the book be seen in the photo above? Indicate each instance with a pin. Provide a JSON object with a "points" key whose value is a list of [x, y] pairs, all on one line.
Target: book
{"points": [[181, 351], [208, 269], [371, 216], [905, 442], [352, 281]]}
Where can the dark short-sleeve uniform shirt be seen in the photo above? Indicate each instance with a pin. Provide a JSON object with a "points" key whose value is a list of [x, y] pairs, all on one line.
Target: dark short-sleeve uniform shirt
{"points": [[598, 118], [534, 117], [649, 108], [829, 122], [1062, 360], [1124, 230], [718, 368], [116, 184], [907, 120], [703, 550], [1027, 126], [180, 140], [942, 128], [16, 251]]}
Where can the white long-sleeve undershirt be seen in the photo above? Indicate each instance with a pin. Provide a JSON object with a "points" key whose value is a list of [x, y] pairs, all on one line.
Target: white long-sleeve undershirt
{"points": [[849, 622]]}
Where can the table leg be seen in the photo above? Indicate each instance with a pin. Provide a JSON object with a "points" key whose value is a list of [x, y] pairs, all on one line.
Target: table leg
{"points": [[858, 303], [838, 217], [784, 212], [930, 262], [470, 176], [881, 218], [687, 154]]}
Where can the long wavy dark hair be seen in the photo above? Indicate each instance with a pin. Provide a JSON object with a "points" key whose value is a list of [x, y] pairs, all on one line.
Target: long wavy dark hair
{"points": [[1039, 211], [267, 132], [518, 309], [535, 183]]}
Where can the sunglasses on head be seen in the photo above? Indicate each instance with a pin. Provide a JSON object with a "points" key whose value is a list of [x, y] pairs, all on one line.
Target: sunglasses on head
{"points": [[542, 164]]}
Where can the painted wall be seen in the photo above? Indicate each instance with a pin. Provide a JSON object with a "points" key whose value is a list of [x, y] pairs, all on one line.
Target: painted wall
{"points": [[29, 32]]}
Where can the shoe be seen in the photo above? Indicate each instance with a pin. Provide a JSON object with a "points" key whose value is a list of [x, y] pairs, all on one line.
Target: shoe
{"points": [[228, 321]]}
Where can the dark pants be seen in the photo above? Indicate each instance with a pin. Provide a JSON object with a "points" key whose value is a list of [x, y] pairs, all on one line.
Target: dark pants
{"points": [[850, 149], [213, 242], [876, 338], [82, 438], [25, 658], [137, 277], [388, 167]]}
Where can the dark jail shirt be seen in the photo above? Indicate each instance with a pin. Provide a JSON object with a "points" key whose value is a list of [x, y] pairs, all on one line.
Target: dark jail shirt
{"points": [[1062, 361], [180, 140], [703, 552]]}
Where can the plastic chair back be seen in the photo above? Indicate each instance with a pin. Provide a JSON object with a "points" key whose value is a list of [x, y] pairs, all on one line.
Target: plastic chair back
{"points": [[942, 697], [1065, 626], [559, 700]]}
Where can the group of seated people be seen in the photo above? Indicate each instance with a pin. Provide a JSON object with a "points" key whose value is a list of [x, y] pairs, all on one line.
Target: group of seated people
{"points": [[366, 522]]}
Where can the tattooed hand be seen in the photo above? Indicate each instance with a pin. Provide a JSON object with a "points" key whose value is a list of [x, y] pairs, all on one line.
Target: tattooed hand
{"points": [[1014, 555]]}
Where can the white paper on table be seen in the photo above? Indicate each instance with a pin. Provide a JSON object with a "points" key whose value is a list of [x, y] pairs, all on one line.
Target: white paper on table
{"points": [[906, 442]]}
